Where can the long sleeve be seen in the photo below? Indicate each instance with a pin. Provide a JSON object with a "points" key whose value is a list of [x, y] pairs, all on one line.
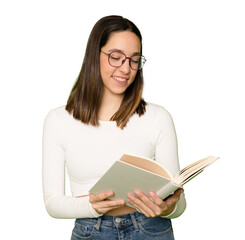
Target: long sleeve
{"points": [[167, 152], [57, 203], [87, 152]]}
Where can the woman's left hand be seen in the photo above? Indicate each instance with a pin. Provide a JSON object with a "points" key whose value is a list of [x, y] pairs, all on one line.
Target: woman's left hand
{"points": [[154, 206]]}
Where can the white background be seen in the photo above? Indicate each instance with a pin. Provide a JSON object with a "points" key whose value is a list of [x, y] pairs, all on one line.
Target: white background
{"points": [[195, 69]]}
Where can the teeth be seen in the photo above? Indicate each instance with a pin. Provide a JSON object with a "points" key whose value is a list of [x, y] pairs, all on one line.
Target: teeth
{"points": [[120, 79]]}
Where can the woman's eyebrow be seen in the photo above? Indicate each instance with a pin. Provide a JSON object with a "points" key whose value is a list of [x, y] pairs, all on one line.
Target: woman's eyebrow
{"points": [[119, 50], [115, 49]]}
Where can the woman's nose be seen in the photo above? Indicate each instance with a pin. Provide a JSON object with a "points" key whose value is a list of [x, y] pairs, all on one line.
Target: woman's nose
{"points": [[125, 67]]}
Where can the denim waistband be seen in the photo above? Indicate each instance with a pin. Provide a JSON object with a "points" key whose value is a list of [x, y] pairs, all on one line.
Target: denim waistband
{"points": [[118, 220], [129, 216]]}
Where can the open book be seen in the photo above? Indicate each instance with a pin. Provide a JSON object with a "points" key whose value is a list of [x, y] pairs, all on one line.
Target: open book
{"points": [[133, 172]]}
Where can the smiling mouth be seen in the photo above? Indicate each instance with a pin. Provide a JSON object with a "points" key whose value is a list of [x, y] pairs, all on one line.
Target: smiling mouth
{"points": [[120, 79]]}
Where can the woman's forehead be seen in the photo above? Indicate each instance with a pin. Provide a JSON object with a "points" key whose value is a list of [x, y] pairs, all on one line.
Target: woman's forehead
{"points": [[126, 41]]}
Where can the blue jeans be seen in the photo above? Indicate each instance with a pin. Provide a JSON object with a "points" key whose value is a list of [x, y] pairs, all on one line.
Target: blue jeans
{"points": [[132, 226]]}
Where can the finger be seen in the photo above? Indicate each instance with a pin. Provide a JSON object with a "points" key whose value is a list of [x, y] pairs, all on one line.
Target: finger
{"points": [[143, 203], [145, 199], [105, 210], [155, 203], [158, 201], [139, 208], [104, 206], [175, 197], [109, 204], [179, 191], [100, 196]]}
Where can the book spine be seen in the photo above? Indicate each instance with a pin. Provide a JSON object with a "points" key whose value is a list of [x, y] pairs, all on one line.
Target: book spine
{"points": [[167, 190]]}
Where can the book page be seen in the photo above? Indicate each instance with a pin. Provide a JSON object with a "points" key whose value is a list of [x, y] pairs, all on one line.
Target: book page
{"points": [[146, 164], [193, 169]]}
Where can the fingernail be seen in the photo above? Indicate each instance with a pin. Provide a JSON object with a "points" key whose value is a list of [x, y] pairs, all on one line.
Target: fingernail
{"points": [[109, 194], [137, 191], [130, 195], [152, 194]]}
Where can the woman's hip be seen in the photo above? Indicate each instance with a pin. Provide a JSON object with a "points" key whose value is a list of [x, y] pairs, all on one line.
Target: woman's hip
{"points": [[127, 226]]}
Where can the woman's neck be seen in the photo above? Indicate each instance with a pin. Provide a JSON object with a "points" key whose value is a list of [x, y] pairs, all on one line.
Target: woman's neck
{"points": [[109, 106]]}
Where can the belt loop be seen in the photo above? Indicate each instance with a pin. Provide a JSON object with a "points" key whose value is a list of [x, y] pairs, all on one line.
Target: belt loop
{"points": [[134, 221], [97, 225]]}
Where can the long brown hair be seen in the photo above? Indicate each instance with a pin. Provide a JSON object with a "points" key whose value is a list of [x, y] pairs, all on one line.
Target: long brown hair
{"points": [[85, 97]]}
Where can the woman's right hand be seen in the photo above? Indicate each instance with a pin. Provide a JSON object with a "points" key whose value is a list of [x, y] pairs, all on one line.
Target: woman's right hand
{"points": [[102, 204]]}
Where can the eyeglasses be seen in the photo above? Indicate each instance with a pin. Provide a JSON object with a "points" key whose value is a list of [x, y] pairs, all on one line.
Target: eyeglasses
{"points": [[117, 59]]}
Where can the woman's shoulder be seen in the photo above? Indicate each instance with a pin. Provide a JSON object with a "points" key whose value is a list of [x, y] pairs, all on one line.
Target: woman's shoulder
{"points": [[57, 113], [155, 110], [158, 116]]}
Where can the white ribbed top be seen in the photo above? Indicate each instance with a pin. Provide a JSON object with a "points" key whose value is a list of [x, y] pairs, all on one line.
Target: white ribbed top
{"points": [[87, 152]]}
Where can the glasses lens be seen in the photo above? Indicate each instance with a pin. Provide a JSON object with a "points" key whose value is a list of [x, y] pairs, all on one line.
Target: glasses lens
{"points": [[142, 61], [116, 59], [137, 62]]}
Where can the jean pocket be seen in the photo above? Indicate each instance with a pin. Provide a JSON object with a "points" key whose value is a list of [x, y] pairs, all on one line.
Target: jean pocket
{"points": [[156, 226], [83, 230]]}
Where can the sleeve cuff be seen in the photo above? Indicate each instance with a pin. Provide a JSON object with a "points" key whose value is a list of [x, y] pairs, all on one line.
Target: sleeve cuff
{"points": [[93, 211], [172, 213]]}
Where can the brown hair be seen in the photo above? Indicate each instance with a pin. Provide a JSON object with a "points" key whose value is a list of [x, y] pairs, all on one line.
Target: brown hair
{"points": [[85, 97]]}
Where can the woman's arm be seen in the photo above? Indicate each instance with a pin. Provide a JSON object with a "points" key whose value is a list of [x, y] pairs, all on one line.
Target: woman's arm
{"points": [[166, 153], [57, 203]]}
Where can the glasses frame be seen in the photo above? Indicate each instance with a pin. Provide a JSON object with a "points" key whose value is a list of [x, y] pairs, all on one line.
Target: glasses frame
{"points": [[124, 60]]}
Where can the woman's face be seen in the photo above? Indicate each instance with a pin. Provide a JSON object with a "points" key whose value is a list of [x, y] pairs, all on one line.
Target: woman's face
{"points": [[117, 79]]}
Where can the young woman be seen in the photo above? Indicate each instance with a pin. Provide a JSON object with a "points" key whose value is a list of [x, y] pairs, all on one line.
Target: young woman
{"points": [[106, 117]]}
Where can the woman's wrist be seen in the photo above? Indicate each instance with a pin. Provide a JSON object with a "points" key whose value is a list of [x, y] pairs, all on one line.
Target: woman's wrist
{"points": [[94, 212]]}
